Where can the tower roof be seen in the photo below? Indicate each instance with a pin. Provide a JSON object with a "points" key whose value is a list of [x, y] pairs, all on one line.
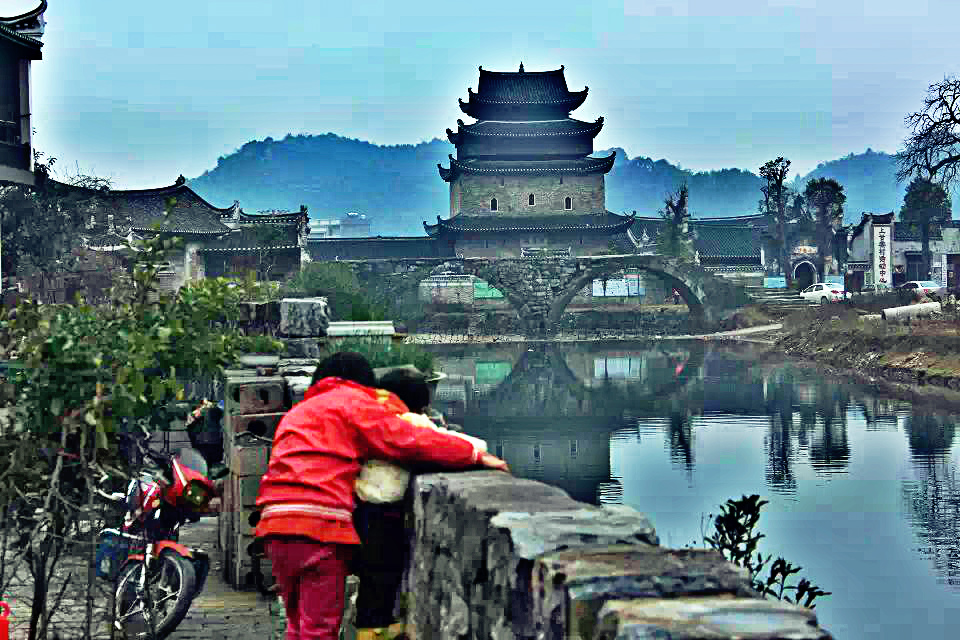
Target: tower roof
{"points": [[579, 166], [521, 130], [604, 223], [25, 29], [532, 95]]}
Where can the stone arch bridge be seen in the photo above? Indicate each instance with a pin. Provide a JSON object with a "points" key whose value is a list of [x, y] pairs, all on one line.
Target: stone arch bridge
{"points": [[539, 289]]}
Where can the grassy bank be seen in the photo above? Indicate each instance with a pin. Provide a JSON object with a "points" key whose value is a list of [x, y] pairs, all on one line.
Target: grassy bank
{"points": [[919, 361]]}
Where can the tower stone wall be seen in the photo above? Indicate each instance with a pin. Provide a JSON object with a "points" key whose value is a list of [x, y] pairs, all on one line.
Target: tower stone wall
{"points": [[471, 194]]}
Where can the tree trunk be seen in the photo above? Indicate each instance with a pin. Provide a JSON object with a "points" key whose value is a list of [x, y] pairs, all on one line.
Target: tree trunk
{"points": [[784, 252]]}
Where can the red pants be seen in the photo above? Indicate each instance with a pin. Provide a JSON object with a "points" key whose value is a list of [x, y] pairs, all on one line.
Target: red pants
{"points": [[311, 577]]}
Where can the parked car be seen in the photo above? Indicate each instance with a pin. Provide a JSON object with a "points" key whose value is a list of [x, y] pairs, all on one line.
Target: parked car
{"points": [[920, 288], [874, 289], [822, 292]]}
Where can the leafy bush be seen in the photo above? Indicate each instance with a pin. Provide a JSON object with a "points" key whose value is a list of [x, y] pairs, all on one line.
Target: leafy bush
{"points": [[734, 537], [387, 355], [346, 296]]}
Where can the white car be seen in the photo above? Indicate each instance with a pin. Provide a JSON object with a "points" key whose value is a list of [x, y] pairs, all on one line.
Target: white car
{"points": [[822, 292]]}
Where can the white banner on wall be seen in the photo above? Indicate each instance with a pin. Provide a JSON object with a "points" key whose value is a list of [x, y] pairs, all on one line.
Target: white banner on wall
{"points": [[882, 254]]}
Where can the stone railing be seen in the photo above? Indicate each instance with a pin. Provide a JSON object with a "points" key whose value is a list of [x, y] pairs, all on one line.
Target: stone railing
{"points": [[500, 557], [497, 557]]}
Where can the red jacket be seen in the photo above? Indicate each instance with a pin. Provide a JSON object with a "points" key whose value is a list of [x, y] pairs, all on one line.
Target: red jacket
{"points": [[319, 447]]}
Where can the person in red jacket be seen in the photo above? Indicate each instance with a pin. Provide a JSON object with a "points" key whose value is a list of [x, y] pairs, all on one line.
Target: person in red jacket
{"points": [[306, 498]]}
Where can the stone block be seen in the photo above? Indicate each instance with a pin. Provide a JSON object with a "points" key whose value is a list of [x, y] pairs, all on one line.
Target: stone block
{"points": [[249, 460], [304, 317], [477, 535], [570, 586], [720, 618], [254, 395]]}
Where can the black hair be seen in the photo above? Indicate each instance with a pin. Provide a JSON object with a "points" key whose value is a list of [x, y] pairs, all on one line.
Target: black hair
{"points": [[409, 386], [348, 365]]}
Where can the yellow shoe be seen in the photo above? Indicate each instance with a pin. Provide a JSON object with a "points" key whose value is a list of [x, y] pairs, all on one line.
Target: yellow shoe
{"points": [[382, 633]]}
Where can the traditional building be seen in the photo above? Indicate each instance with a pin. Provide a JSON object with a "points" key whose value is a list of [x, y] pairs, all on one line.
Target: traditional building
{"points": [[19, 46], [271, 243], [523, 177], [730, 247], [218, 241]]}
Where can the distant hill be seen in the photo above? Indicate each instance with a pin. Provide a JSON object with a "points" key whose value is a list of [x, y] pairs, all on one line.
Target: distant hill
{"points": [[398, 187], [868, 179]]}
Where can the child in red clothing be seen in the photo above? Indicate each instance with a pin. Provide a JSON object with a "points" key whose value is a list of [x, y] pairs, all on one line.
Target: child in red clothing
{"points": [[307, 495]]}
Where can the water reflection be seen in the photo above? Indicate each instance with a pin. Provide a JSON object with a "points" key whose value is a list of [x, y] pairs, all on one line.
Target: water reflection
{"points": [[561, 413]]}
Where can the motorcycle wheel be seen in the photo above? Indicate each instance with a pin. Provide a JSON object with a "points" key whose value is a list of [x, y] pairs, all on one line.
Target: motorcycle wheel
{"points": [[172, 582]]}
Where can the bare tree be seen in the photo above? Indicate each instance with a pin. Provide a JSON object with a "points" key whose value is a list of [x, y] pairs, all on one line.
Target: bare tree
{"points": [[932, 150], [775, 196]]}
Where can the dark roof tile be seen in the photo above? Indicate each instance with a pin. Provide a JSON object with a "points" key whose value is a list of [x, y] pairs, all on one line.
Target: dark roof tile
{"points": [[507, 224]]}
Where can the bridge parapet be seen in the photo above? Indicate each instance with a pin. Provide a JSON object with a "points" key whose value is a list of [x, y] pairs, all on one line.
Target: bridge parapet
{"points": [[501, 557]]}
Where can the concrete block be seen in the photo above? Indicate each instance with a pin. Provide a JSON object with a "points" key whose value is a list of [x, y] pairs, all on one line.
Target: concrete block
{"points": [[263, 425], [249, 460], [720, 618], [570, 586], [254, 395], [245, 490]]}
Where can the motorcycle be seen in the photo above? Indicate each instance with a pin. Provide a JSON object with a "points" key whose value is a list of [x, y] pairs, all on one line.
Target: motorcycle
{"points": [[156, 577]]}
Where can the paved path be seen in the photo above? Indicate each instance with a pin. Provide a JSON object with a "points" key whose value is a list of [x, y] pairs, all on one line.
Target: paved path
{"points": [[220, 613]]}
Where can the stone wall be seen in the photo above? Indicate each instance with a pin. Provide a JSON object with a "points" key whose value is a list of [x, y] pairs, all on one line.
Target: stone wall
{"points": [[509, 245], [501, 557], [471, 194]]}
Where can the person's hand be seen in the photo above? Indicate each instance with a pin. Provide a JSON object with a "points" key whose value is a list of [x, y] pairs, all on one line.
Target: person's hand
{"points": [[491, 461]]}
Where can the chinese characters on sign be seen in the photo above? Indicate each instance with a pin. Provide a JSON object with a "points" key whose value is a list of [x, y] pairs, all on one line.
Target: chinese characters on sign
{"points": [[881, 254]]}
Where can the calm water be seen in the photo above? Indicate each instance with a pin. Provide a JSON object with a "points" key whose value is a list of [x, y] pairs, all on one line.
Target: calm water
{"points": [[863, 489]]}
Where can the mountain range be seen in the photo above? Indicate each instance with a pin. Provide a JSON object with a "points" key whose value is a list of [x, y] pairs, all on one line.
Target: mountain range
{"points": [[398, 186]]}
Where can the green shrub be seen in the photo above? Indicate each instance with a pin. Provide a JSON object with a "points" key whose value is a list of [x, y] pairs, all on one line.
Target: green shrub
{"points": [[346, 296], [387, 354]]}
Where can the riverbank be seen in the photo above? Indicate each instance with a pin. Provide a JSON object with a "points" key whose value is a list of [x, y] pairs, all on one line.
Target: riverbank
{"points": [[919, 362], [750, 334]]}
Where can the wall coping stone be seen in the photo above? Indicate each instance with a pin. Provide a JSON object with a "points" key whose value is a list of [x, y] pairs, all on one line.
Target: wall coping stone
{"points": [[534, 534]]}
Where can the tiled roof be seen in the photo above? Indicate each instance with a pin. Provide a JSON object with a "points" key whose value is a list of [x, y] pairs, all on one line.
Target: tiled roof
{"points": [[530, 87], [725, 241], [711, 238], [527, 167], [512, 96], [539, 129], [291, 217], [191, 214], [23, 28], [558, 222]]}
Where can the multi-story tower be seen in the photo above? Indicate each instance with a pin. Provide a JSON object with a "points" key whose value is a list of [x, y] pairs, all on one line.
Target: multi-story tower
{"points": [[523, 177]]}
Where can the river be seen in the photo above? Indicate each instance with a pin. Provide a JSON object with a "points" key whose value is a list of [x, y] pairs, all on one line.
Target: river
{"points": [[863, 489]]}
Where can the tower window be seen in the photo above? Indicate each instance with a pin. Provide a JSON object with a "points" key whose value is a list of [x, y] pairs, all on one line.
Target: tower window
{"points": [[531, 200], [493, 204], [568, 203]]}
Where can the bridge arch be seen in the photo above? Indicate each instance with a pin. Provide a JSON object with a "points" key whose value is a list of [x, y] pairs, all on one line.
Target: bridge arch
{"points": [[674, 273], [539, 289]]}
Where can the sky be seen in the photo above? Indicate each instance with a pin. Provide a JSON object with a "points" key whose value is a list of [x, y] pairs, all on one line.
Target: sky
{"points": [[140, 92]]}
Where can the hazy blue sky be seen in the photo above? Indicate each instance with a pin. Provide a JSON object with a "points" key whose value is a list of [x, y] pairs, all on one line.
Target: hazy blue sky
{"points": [[143, 91]]}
